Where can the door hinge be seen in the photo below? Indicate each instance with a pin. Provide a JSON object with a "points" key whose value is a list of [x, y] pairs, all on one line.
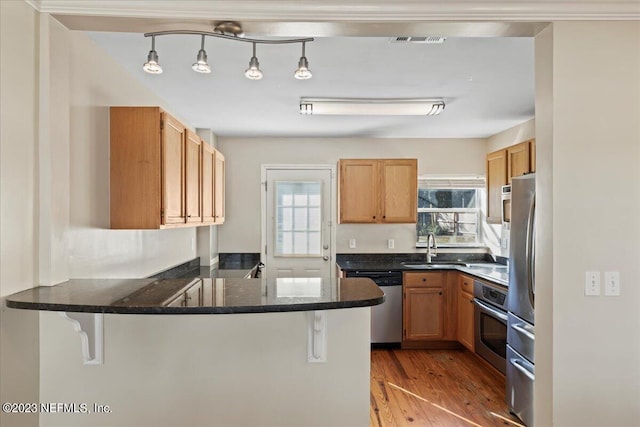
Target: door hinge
{"points": [[265, 186], [161, 124], [265, 249]]}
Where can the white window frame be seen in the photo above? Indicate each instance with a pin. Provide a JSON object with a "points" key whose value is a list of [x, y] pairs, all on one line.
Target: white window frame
{"points": [[476, 183]]}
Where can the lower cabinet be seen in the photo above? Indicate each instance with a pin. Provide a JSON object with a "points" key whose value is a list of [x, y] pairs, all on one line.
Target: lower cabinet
{"points": [[438, 310], [428, 309], [424, 318], [466, 317]]}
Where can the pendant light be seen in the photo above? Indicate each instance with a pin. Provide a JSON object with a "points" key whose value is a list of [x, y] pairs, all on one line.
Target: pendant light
{"points": [[201, 66], [303, 72], [152, 66], [253, 72]]}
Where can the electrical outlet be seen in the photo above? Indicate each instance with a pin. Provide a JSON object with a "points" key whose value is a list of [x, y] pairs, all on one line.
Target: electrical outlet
{"points": [[352, 243], [612, 283], [193, 243], [391, 244], [592, 283]]}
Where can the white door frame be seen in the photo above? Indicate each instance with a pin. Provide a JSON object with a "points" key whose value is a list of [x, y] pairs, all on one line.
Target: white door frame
{"points": [[334, 206]]}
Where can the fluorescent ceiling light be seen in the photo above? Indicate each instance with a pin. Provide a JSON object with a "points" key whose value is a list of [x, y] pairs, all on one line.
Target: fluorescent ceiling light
{"points": [[377, 107]]}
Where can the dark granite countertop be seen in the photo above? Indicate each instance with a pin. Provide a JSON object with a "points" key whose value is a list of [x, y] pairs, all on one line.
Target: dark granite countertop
{"points": [[199, 295], [479, 265]]}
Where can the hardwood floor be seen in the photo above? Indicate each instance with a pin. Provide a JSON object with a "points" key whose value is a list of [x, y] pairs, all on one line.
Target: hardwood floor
{"points": [[439, 388]]}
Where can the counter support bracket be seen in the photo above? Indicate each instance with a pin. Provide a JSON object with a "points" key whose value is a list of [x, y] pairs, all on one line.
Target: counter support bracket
{"points": [[317, 336], [90, 326]]}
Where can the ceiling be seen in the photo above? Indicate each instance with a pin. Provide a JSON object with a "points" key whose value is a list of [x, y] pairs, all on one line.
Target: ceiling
{"points": [[487, 83]]}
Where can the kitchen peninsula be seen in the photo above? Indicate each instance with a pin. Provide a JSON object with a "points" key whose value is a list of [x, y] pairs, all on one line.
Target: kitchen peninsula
{"points": [[257, 340]]}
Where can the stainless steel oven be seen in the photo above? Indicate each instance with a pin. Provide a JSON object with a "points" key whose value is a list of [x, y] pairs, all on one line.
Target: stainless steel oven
{"points": [[491, 323]]}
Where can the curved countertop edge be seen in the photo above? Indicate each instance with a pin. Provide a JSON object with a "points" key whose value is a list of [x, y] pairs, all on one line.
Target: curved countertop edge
{"points": [[21, 305]]}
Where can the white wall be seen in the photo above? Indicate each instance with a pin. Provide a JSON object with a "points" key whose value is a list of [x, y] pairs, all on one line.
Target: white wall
{"points": [[19, 345], [596, 200], [514, 135], [244, 157]]}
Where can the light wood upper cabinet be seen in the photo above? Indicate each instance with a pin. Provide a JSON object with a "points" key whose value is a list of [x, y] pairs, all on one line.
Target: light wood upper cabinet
{"points": [[518, 160], [208, 197], [358, 190], [193, 184], [378, 190], [399, 178], [160, 175], [219, 184], [502, 165], [496, 178]]}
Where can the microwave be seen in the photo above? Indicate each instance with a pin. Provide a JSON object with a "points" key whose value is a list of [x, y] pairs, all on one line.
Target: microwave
{"points": [[506, 205]]}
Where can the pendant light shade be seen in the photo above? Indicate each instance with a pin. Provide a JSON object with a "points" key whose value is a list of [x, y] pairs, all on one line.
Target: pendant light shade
{"points": [[201, 66], [152, 66], [303, 72], [253, 72]]}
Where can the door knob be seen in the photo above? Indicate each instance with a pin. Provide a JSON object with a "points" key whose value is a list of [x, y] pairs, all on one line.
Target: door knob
{"points": [[325, 247], [326, 257]]}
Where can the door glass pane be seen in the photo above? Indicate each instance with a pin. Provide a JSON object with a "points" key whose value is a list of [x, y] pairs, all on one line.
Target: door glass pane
{"points": [[298, 218]]}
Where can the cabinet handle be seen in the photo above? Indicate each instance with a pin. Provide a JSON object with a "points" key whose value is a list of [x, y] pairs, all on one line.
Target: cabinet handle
{"points": [[439, 293], [374, 217], [424, 279], [384, 216]]}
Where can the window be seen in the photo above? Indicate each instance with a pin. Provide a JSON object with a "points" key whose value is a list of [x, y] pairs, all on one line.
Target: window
{"points": [[298, 218], [450, 209]]}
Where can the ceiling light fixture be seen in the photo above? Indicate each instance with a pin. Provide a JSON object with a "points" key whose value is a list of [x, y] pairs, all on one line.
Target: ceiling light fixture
{"points": [[303, 72], [373, 107], [228, 30], [152, 66], [201, 66], [253, 72]]}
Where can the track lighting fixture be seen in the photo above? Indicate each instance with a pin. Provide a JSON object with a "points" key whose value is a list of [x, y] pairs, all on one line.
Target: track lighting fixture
{"points": [[152, 66], [201, 66], [303, 72], [228, 30], [253, 72]]}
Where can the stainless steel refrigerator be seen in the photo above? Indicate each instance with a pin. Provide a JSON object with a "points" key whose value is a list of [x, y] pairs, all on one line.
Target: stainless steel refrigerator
{"points": [[520, 322]]}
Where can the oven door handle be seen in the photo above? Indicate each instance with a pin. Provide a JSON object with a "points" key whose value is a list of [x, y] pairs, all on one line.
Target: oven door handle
{"points": [[492, 311]]}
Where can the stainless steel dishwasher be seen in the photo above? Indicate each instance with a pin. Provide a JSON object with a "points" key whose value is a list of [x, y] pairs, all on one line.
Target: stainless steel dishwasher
{"points": [[386, 318]]}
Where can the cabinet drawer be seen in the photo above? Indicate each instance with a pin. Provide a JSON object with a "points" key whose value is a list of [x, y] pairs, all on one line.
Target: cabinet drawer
{"points": [[466, 284], [424, 279]]}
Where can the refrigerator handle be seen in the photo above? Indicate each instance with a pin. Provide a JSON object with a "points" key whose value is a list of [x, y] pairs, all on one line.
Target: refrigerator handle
{"points": [[530, 250], [518, 365]]}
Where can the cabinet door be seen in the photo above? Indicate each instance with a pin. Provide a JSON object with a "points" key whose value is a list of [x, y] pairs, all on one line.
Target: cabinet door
{"points": [[466, 320], [399, 181], [358, 190], [496, 178], [423, 314], [518, 162], [219, 184], [208, 165], [173, 152], [193, 191]]}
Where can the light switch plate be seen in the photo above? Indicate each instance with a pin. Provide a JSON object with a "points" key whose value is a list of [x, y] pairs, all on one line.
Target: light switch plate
{"points": [[352, 243], [391, 244], [612, 283], [592, 284]]}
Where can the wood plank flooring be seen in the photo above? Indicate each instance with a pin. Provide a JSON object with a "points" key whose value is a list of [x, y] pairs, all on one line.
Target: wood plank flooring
{"points": [[438, 388]]}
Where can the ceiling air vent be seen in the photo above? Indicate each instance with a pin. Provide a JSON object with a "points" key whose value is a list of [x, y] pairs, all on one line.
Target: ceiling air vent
{"points": [[427, 39]]}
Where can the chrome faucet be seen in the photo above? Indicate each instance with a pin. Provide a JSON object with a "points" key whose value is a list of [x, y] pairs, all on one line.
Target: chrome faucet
{"points": [[431, 251]]}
